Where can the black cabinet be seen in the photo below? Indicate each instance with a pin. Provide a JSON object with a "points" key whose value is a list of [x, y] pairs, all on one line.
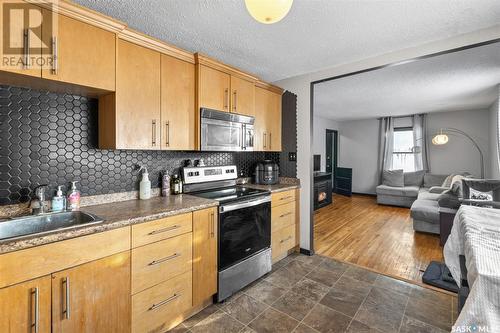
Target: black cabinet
{"points": [[322, 189]]}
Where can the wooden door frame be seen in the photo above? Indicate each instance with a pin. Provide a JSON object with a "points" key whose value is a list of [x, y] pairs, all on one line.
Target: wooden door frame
{"points": [[310, 251]]}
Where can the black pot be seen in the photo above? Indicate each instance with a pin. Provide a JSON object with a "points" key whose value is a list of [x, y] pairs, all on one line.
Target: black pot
{"points": [[266, 173]]}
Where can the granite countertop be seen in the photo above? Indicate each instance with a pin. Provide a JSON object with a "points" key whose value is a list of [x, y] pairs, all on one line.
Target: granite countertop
{"points": [[116, 215], [285, 184]]}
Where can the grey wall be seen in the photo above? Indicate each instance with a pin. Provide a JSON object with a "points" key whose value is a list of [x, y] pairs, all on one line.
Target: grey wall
{"points": [[358, 149], [494, 114], [288, 134], [319, 137], [459, 155], [359, 146]]}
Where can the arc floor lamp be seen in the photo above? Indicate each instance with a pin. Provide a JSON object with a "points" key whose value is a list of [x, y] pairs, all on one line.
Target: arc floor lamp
{"points": [[442, 138]]}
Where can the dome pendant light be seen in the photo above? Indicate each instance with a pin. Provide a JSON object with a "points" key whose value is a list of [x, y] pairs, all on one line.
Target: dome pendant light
{"points": [[268, 11]]}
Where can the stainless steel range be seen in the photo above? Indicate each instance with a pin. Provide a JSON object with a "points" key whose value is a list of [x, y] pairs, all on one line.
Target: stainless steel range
{"points": [[244, 233]]}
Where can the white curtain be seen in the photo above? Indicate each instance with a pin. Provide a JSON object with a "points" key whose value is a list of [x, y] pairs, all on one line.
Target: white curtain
{"points": [[386, 144], [420, 148]]}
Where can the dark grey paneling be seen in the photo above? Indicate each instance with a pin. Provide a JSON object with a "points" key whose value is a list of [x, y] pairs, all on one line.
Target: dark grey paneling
{"points": [[289, 134], [52, 138]]}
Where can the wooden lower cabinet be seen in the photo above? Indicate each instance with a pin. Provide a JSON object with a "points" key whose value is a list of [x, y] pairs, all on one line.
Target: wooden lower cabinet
{"points": [[204, 254], [26, 307], [284, 223], [93, 297], [162, 307]]}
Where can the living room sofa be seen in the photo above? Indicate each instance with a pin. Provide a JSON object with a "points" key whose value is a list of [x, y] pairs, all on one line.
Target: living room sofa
{"points": [[422, 193]]}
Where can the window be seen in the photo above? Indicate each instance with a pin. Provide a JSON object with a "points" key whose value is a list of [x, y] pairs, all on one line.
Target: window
{"points": [[403, 154]]}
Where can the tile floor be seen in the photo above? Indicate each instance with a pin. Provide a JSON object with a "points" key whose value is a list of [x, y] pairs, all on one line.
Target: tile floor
{"points": [[317, 294]]}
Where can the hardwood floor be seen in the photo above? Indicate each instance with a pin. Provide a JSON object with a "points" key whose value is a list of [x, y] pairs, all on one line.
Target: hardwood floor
{"points": [[381, 238]]}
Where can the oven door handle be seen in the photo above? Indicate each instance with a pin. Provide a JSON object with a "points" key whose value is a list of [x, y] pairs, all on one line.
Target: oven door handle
{"points": [[244, 204]]}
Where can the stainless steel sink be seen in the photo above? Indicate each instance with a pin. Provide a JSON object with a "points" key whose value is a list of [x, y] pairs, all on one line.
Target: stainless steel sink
{"points": [[26, 226]]}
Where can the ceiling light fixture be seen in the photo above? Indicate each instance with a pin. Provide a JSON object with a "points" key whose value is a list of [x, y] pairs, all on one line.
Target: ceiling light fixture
{"points": [[268, 11]]}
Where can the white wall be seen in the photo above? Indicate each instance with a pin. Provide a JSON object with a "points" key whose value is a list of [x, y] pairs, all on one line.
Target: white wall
{"points": [[494, 112], [319, 137], [459, 155], [359, 150], [301, 86]]}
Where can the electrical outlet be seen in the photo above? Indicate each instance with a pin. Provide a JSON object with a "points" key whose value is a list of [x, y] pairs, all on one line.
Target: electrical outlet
{"points": [[292, 157]]}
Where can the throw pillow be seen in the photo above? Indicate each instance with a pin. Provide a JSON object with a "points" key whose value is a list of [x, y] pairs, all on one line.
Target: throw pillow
{"points": [[415, 178], [393, 178], [448, 181], [448, 199]]}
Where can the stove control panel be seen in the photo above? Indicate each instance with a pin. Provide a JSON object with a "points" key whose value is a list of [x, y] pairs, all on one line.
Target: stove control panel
{"points": [[193, 175]]}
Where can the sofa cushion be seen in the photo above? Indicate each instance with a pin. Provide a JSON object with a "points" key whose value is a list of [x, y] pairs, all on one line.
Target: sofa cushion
{"points": [[431, 180], [415, 178], [393, 178], [405, 191], [426, 195], [425, 210], [448, 199]]}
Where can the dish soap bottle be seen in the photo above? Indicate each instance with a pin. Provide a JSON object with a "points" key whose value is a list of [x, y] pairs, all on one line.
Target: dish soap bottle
{"points": [[59, 201], [74, 197], [144, 185]]}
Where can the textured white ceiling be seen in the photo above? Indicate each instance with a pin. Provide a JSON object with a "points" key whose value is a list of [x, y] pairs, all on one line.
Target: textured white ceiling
{"points": [[316, 34], [465, 80]]}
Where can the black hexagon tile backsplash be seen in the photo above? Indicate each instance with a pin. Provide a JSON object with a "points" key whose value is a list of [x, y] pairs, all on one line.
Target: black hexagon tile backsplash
{"points": [[49, 138]]}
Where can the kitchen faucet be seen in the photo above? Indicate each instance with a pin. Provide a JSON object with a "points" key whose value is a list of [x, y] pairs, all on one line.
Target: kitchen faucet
{"points": [[39, 204]]}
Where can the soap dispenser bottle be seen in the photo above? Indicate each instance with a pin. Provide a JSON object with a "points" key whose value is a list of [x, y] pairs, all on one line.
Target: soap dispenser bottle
{"points": [[144, 185], [73, 197], [59, 201]]}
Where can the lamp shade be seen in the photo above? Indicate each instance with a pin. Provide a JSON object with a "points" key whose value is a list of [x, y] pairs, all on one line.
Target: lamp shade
{"points": [[268, 11], [440, 139]]}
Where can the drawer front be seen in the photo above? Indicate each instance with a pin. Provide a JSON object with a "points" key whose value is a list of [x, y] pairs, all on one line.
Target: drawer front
{"points": [[157, 230], [161, 307], [282, 241], [282, 216], [281, 198], [160, 261]]}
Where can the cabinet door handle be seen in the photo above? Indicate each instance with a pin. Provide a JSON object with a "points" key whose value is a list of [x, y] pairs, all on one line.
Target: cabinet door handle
{"points": [[154, 232], [286, 198], [167, 142], [226, 99], [212, 225], [162, 303], [265, 139], [270, 141], [234, 100], [55, 57], [286, 239], [286, 214], [26, 63], [36, 310], [159, 261], [67, 298], [153, 132]]}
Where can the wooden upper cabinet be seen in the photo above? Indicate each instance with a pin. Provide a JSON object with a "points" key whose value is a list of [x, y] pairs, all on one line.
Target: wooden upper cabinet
{"points": [[26, 307], [242, 96], [204, 255], [24, 41], [274, 122], [130, 117], [94, 297], [267, 120], [213, 89], [82, 54], [178, 122]]}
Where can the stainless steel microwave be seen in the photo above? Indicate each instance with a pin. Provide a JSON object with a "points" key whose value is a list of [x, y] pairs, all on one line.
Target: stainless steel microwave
{"points": [[224, 131]]}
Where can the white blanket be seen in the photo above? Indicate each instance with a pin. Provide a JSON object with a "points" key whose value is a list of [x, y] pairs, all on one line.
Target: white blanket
{"points": [[476, 235]]}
